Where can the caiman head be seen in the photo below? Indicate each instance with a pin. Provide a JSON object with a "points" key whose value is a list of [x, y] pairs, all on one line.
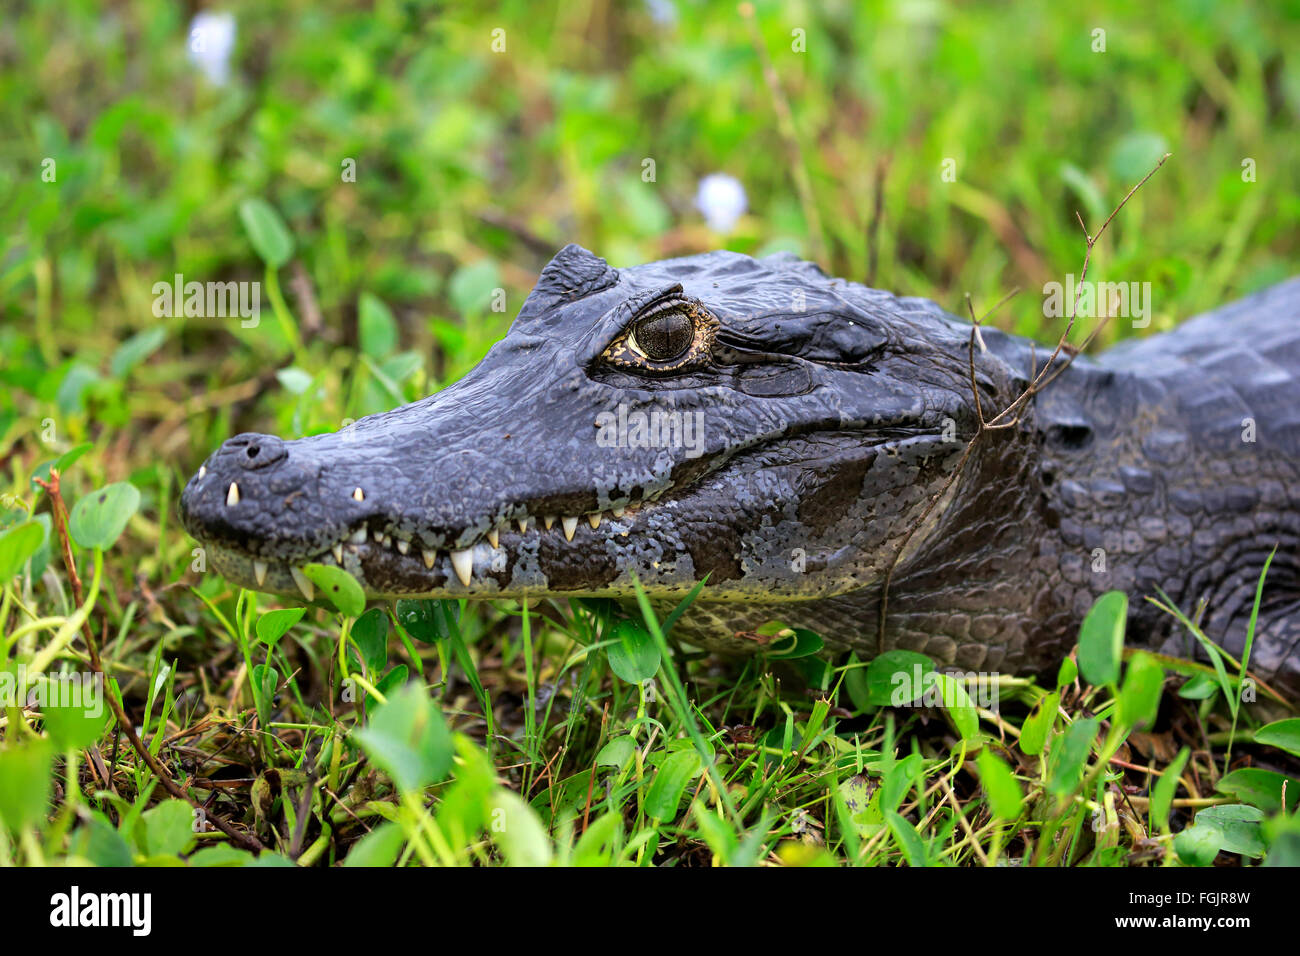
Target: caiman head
{"points": [[748, 420]]}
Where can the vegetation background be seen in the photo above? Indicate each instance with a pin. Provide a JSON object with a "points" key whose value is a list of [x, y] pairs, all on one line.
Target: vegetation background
{"points": [[124, 160]]}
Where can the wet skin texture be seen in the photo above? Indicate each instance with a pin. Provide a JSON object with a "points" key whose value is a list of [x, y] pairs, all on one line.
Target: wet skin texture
{"points": [[823, 417]]}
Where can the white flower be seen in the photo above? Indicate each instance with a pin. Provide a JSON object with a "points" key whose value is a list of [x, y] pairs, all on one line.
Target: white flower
{"points": [[721, 199], [211, 40]]}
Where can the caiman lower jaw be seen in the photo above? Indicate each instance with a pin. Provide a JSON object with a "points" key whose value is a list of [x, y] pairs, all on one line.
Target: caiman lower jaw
{"points": [[405, 567]]}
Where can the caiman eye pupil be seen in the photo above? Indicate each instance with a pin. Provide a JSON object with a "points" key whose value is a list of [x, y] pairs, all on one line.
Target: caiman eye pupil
{"points": [[663, 338]]}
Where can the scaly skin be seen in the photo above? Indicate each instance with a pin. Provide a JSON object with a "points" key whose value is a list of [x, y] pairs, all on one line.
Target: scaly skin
{"points": [[829, 415]]}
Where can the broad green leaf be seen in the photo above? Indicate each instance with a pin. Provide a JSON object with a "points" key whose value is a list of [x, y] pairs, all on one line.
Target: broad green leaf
{"points": [[62, 463], [377, 330], [617, 752], [338, 587], [408, 739], [25, 776], [1069, 754], [665, 793], [1101, 639], [896, 678], [516, 829], [388, 684], [958, 705], [167, 829], [1066, 673], [1139, 699], [1282, 734], [77, 727], [136, 349], [266, 231], [1238, 828], [633, 655], [100, 517], [1162, 794], [17, 545], [379, 847], [1005, 797], [801, 643], [98, 841], [273, 625], [596, 845], [1199, 687], [1033, 735], [370, 632], [427, 620], [1261, 788], [1197, 845]]}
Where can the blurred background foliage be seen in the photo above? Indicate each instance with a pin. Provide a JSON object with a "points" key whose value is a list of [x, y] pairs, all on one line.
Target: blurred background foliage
{"points": [[474, 164]]}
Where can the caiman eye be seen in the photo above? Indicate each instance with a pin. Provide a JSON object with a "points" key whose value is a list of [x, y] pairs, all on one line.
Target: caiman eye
{"points": [[671, 334], [661, 338]]}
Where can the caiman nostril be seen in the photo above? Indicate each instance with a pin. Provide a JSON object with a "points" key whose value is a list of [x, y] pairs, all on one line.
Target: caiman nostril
{"points": [[253, 451]]}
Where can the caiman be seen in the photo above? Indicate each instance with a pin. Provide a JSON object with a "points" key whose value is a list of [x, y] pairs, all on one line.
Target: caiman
{"points": [[791, 437]]}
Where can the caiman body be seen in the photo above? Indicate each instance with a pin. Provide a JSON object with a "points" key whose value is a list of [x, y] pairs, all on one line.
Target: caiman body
{"points": [[784, 434]]}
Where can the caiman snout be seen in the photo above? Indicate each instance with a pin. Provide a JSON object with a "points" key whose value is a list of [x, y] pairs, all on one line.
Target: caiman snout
{"points": [[251, 451]]}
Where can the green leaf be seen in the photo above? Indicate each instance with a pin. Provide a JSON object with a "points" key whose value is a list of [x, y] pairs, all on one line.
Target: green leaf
{"points": [[1238, 827], [800, 643], [388, 684], [1282, 734], [62, 463], [265, 680], [167, 829], [1139, 700], [1069, 754], [519, 833], [908, 840], [634, 655], [1197, 845], [25, 776], [665, 793], [77, 727], [427, 620], [267, 232], [377, 330], [897, 678], [617, 752], [379, 847], [596, 845], [17, 545], [100, 517], [958, 705], [408, 739], [273, 625], [1261, 788], [1162, 794], [136, 349], [370, 632], [99, 841], [1033, 735], [338, 586], [1101, 639], [1067, 672], [1005, 797], [293, 380], [1199, 687]]}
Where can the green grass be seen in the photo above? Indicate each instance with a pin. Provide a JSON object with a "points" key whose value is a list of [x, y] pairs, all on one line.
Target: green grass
{"points": [[513, 736]]}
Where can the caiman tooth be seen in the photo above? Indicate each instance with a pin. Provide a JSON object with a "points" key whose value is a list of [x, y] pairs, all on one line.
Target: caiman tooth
{"points": [[594, 520], [462, 563], [259, 572], [403, 546], [359, 536], [570, 526], [494, 538], [232, 495], [618, 512], [305, 586], [523, 525], [429, 558], [338, 553], [548, 520], [203, 470], [379, 538], [358, 494]]}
